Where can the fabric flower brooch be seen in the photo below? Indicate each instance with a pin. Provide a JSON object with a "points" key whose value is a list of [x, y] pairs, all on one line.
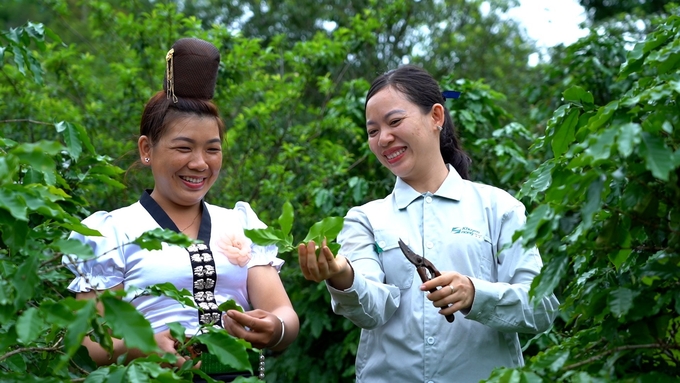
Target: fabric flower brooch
{"points": [[236, 247]]}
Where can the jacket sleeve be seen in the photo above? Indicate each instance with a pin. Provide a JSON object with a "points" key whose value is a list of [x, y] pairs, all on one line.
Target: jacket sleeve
{"points": [[369, 302], [504, 305]]}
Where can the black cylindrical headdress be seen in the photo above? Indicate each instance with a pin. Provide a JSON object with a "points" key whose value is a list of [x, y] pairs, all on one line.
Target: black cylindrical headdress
{"points": [[191, 69]]}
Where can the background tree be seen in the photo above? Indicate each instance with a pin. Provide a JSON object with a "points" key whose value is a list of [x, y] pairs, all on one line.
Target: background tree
{"points": [[606, 213], [602, 9]]}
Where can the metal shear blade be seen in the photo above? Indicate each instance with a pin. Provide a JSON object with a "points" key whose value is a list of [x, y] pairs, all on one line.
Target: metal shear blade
{"points": [[423, 267], [418, 261]]}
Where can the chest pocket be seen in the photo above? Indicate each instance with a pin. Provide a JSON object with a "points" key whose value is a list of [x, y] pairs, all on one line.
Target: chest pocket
{"points": [[476, 253], [398, 270]]}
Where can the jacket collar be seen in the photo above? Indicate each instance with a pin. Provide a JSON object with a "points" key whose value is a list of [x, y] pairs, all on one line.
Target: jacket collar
{"points": [[451, 189]]}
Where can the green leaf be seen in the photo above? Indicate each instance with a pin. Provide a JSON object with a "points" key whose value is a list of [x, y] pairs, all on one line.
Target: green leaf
{"points": [[16, 206], [71, 138], [99, 375], [538, 216], [328, 228], [228, 350], [286, 218], [15, 363], [136, 374], [106, 180], [30, 325], [85, 310], [530, 377], [554, 360], [658, 157], [177, 330], [106, 169], [628, 138], [78, 227], [184, 296], [16, 235], [621, 300], [667, 62], [578, 95], [26, 280], [57, 313], [602, 147], [230, 305], [49, 33], [564, 134], [9, 165], [154, 239], [73, 247], [539, 180], [359, 187], [593, 201], [634, 61], [603, 115], [19, 59], [510, 376], [266, 236], [551, 275], [38, 154], [128, 323], [117, 374], [617, 258]]}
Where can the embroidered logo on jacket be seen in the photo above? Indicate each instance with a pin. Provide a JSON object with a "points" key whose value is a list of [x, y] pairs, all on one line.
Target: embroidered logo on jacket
{"points": [[468, 231]]}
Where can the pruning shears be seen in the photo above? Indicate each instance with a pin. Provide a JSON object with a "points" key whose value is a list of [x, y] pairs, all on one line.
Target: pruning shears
{"points": [[425, 269]]}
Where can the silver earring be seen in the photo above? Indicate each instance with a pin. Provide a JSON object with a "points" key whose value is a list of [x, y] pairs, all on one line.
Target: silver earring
{"points": [[146, 159], [439, 127]]}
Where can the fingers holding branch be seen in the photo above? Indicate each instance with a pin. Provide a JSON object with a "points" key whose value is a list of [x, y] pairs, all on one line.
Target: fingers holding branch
{"points": [[318, 267], [325, 266], [260, 328]]}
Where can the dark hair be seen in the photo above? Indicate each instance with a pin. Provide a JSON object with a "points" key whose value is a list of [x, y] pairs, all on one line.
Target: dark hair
{"points": [[422, 89], [160, 112]]}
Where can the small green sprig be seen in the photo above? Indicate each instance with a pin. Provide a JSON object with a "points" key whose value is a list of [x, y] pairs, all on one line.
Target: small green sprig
{"points": [[328, 229]]}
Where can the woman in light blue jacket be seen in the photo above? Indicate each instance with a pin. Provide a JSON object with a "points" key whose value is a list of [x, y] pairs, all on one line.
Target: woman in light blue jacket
{"points": [[462, 227]]}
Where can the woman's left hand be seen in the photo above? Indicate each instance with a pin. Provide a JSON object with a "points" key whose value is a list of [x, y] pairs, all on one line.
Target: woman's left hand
{"points": [[259, 327], [456, 290]]}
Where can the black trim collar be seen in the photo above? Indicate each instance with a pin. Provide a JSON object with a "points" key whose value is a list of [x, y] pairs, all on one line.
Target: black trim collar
{"points": [[164, 221]]}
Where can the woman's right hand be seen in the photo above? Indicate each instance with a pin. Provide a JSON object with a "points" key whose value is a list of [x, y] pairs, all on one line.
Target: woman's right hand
{"points": [[167, 344], [325, 266]]}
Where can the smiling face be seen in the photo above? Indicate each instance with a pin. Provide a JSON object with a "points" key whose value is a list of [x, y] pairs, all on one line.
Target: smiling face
{"points": [[403, 138], [185, 161]]}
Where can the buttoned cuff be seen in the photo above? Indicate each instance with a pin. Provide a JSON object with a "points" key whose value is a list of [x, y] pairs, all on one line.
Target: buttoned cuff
{"points": [[358, 284], [487, 296]]}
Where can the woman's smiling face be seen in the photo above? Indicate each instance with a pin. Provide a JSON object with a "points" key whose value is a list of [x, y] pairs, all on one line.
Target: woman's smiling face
{"points": [[403, 138], [186, 160]]}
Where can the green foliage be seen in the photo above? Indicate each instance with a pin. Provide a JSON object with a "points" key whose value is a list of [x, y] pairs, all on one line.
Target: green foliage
{"points": [[607, 211], [325, 230], [602, 10], [18, 41]]}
